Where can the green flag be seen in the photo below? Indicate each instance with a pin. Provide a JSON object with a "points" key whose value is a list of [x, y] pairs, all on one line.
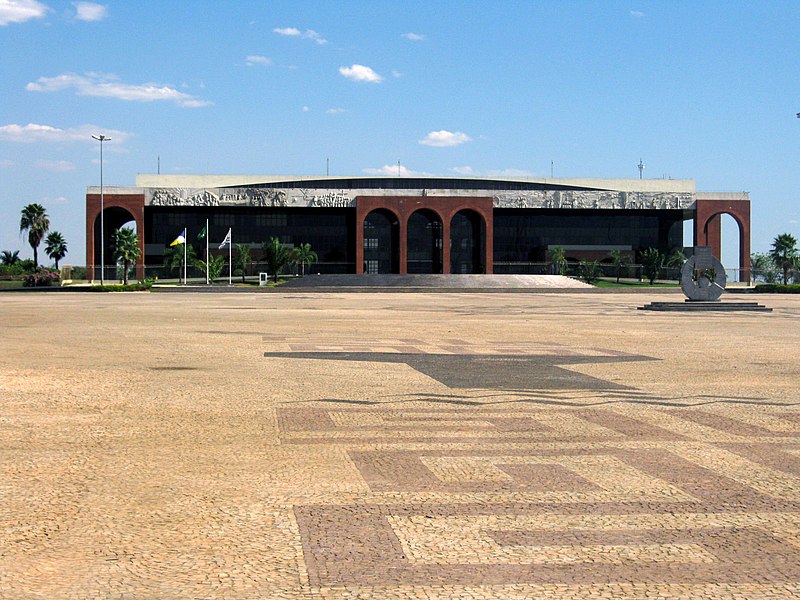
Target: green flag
{"points": [[202, 233]]}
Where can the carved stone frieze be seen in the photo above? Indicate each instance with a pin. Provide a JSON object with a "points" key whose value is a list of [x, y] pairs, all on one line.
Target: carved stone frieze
{"points": [[592, 199], [302, 197]]}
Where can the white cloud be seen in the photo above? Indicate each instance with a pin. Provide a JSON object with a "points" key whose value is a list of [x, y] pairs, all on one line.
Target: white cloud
{"points": [[306, 109], [509, 173], [464, 171], [308, 34], [393, 170], [106, 86], [57, 166], [360, 73], [45, 133], [56, 200], [414, 37], [396, 74], [90, 11], [19, 11], [637, 13], [6, 163], [335, 111], [255, 59], [443, 138], [467, 171]]}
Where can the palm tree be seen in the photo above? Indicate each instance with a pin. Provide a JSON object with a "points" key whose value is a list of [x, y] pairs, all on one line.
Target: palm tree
{"points": [[762, 265], [9, 258], [277, 256], [126, 249], [242, 260], [215, 266], [56, 246], [619, 260], [675, 261], [173, 258], [784, 254], [652, 261], [303, 255], [35, 222], [558, 260]]}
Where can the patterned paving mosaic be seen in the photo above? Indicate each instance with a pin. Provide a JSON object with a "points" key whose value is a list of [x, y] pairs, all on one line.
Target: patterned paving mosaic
{"points": [[667, 495], [397, 446]]}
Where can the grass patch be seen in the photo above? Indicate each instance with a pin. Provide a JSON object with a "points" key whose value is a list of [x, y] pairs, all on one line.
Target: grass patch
{"points": [[10, 284]]}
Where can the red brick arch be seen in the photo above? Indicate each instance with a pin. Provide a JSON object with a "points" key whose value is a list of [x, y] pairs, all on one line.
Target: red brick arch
{"points": [[133, 204], [707, 228], [445, 207]]}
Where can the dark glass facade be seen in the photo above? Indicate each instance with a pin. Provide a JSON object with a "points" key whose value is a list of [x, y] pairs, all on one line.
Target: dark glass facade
{"points": [[524, 235], [467, 233], [330, 231], [424, 243], [381, 243], [521, 236]]}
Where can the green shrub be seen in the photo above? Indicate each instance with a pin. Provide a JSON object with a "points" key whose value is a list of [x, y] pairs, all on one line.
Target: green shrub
{"points": [[142, 286], [589, 271], [777, 288], [41, 278]]}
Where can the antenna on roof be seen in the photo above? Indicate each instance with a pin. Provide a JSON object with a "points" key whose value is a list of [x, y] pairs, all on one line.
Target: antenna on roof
{"points": [[159, 164], [398, 167], [327, 167], [551, 169], [641, 168]]}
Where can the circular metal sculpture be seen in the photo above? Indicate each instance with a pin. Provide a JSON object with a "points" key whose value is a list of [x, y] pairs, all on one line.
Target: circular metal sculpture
{"points": [[703, 284]]}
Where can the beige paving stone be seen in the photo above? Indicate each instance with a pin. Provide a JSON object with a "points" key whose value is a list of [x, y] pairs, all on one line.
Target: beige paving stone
{"points": [[150, 449]]}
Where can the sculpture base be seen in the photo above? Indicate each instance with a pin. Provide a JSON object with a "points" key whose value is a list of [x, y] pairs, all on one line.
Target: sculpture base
{"points": [[705, 306]]}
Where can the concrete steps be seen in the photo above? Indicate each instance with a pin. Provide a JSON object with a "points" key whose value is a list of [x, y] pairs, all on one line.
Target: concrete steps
{"points": [[456, 282]]}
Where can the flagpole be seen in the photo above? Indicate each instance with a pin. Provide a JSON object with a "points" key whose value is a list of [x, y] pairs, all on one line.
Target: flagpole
{"points": [[230, 261], [184, 256], [206, 251]]}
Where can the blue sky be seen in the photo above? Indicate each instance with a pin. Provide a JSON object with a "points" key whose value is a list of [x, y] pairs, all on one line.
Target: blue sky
{"points": [[703, 90]]}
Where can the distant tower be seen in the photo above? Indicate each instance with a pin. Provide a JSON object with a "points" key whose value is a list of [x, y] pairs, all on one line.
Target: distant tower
{"points": [[641, 168]]}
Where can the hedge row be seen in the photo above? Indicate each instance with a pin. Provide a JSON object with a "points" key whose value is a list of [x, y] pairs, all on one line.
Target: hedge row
{"points": [[777, 288], [119, 287]]}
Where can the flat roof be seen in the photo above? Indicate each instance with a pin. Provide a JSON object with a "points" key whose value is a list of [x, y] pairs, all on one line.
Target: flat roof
{"points": [[213, 181]]}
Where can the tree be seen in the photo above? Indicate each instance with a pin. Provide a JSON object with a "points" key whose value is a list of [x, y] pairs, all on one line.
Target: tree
{"points": [[277, 256], [784, 254], [56, 246], [652, 261], [216, 264], [558, 260], [9, 258], [242, 260], [35, 222], [589, 271], [675, 261], [303, 255], [126, 249], [762, 265], [619, 259], [173, 258]]}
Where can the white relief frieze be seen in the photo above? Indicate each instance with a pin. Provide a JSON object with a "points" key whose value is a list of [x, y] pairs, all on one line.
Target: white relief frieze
{"points": [[303, 197], [580, 199]]}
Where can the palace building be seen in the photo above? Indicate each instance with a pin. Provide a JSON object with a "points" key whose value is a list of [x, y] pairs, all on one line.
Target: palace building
{"points": [[418, 224]]}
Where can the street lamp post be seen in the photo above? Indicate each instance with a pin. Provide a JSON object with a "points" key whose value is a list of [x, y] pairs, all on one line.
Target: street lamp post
{"points": [[101, 138]]}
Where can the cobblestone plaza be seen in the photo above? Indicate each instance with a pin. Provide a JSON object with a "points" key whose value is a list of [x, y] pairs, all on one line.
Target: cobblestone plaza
{"points": [[396, 445]]}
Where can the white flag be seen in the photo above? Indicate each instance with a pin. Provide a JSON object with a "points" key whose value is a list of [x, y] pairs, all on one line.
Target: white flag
{"points": [[226, 241]]}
